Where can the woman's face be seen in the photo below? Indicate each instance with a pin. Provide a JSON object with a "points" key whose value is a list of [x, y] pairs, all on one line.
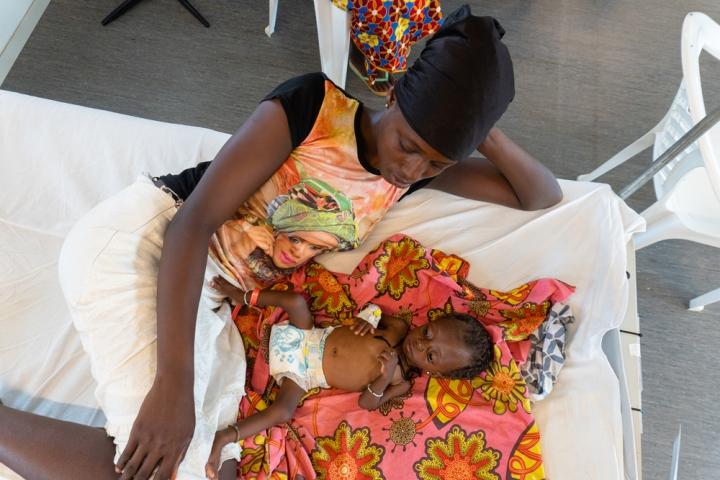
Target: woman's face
{"points": [[403, 156], [296, 248]]}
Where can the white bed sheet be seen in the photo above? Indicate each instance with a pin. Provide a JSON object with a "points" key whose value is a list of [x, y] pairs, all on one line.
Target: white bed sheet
{"points": [[59, 160]]}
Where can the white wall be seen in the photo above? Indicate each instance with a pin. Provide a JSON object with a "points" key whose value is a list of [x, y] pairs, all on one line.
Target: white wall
{"points": [[17, 21]]}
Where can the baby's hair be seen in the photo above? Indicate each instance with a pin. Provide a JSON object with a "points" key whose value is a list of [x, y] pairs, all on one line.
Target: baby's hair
{"points": [[478, 341]]}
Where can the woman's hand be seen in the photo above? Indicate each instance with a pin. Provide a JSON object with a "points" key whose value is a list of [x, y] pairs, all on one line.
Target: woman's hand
{"points": [[222, 438], [361, 327], [160, 435], [262, 236]]}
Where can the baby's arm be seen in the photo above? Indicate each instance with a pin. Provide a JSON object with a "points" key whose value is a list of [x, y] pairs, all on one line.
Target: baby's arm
{"points": [[293, 303], [281, 411], [389, 384]]}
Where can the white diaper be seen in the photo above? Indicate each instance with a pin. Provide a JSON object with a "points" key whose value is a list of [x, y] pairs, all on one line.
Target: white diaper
{"points": [[297, 354]]}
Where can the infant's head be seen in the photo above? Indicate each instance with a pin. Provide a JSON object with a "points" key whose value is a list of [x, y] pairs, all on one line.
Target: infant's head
{"points": [[453, 346]]}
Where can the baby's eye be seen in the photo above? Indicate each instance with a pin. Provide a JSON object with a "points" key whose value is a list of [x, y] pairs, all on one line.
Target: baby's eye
{"points": [[430, 357]]}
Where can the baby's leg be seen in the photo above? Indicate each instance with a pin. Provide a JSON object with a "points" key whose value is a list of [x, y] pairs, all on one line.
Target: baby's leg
{"points": [[228, 471], [281, 411], [227, 289]]}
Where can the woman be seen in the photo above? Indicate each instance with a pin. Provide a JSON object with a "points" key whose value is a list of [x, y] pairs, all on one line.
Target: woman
{"points": [[441, 110]]}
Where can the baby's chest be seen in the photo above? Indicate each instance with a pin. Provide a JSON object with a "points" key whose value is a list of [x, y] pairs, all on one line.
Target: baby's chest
{"points": [[353, 363]]}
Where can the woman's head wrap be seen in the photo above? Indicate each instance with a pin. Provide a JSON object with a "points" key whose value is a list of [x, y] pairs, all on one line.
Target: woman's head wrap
{"points": [[314, 206], [460, 86]]}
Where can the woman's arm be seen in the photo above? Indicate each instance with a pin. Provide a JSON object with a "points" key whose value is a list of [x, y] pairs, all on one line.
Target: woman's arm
{"points": [[165, 423], [508, 175]]}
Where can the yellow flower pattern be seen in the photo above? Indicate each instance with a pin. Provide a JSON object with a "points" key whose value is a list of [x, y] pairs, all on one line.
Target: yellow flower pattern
{"points": [[459, 457], [348, 455], [504, 386]]}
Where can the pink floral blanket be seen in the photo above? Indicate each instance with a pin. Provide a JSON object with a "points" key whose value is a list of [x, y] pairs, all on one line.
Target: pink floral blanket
{"points": [[442, 429]]}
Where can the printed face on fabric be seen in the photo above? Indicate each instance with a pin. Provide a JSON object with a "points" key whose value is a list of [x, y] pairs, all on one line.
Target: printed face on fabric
{"points": [[294, 249], [312, 218], [438, 347], [403, 156]]}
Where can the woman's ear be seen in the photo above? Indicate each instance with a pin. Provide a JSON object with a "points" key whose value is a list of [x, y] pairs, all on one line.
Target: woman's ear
{"points": [[390, 97]]}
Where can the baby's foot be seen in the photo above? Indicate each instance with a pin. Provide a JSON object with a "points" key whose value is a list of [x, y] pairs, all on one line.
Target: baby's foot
{"points": [[226, 288]]}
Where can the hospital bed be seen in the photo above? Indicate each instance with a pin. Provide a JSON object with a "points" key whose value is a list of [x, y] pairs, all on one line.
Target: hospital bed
{"points": [[59, 160]]}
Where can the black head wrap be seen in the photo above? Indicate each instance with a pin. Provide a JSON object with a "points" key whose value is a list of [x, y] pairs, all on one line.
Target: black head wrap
{"points": [[460, 86]]}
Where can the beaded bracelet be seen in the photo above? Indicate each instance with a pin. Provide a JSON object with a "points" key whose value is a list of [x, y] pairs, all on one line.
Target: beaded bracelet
{"points": [[373, 393]]}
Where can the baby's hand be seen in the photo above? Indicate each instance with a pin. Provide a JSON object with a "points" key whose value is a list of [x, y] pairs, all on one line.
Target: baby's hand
{"points": [[222, 438], [226, 288], [361, 327], [388, 361]]}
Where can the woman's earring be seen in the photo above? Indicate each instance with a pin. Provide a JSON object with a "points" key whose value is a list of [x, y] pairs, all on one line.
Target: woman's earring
{"points": [[387, 104]]}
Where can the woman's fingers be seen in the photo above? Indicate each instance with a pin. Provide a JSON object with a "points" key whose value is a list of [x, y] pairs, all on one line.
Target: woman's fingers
{"points": [[126, 454], [147, 468], [134, 464], [263, 238], [167, 469]]}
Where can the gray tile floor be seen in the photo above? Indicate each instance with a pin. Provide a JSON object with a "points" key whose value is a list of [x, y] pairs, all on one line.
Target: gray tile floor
{"points": [[591, 76]]}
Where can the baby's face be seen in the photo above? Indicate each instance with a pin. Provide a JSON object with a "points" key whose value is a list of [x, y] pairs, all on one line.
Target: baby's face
{"points": [[437, 347]]}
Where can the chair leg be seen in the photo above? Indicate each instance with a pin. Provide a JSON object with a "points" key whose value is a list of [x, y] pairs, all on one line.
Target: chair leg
{"points": [[190, 8], [273, 6], [697, 304], [333, 29], [121, 9], [622, 156], [662, 224]]}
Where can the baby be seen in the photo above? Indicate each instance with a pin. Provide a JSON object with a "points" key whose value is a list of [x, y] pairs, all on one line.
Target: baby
{"points": [[379, 365]]}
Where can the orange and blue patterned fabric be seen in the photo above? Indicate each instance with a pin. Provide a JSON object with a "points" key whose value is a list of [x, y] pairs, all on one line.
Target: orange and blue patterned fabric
{"points": [[384, 30], [481, 428]]}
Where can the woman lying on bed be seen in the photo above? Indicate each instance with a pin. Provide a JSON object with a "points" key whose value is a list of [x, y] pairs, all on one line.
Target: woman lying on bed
{"points": [[132, 269]]}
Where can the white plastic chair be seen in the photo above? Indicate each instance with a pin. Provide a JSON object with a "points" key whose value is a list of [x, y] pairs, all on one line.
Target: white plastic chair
{"points": [[333, 29], [688, 187]]}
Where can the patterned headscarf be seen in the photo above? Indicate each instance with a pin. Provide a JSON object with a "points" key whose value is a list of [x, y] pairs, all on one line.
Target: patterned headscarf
{"points": [[314, 206], [460, 86]]}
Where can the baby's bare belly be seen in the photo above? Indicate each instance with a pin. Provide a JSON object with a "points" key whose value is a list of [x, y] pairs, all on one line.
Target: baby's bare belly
{"points": [[350, 362]]}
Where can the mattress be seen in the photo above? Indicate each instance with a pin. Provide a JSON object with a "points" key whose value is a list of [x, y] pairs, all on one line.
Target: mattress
{"points": [[58, 160]]}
